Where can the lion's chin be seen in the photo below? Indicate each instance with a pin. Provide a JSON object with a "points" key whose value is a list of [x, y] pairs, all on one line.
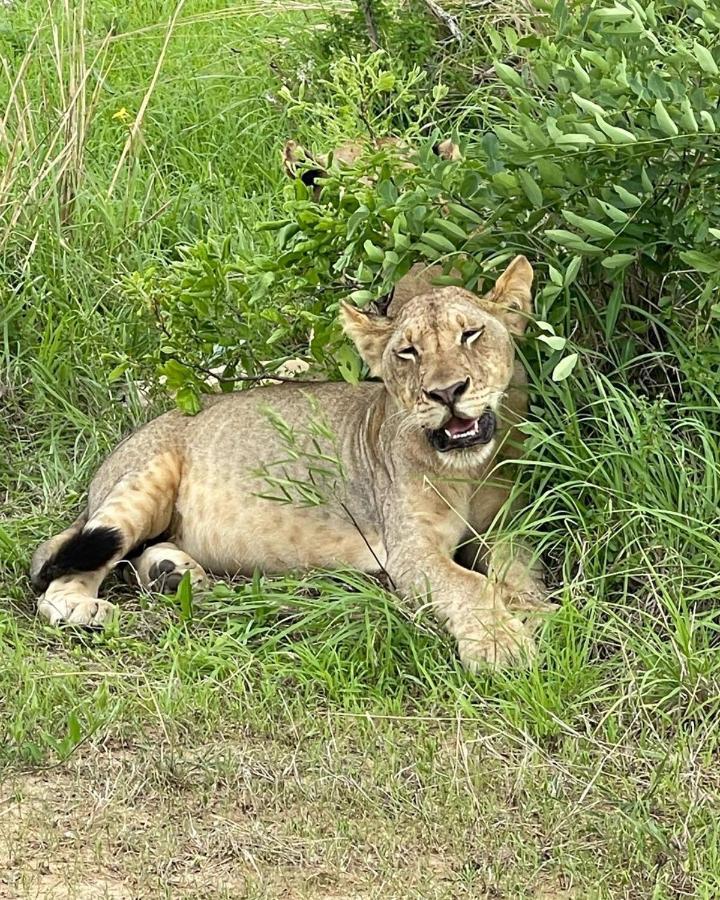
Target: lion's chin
{"points": [[461, 434]]}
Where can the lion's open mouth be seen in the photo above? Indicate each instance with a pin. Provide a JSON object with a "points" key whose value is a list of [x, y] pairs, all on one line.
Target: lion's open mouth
{"points": [[457, 432]]}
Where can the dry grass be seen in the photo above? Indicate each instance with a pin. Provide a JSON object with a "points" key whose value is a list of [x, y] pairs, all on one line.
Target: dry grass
{"points": [[309, 816]]}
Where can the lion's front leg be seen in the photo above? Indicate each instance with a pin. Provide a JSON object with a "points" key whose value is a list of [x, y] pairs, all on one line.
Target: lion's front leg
{"points": [[466, 602]]}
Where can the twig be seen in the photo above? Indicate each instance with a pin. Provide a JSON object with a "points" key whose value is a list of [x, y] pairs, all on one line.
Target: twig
{"points": [[371, 24], [262, 376], [449, 21], [359, 530]]}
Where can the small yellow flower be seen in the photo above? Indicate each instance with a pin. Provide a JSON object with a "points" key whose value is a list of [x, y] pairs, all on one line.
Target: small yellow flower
{"points": [[122, 115]]}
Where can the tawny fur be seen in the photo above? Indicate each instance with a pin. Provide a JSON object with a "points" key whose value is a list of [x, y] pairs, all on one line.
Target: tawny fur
{"points": [[393, 503]]}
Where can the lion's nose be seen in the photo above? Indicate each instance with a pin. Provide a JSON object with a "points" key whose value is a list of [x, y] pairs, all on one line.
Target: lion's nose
{"points": [[449, 395]]}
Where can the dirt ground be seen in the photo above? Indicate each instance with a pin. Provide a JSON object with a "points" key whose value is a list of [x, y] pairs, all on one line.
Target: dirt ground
{"points": [[235, 821]]}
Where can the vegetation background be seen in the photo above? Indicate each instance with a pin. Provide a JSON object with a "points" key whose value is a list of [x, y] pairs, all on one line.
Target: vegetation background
{"points": [[310, 737]]}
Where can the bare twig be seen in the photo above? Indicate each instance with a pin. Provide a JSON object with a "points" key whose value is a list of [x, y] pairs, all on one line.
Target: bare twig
{"points": [[359, 530], [449, 21], [262, 376], [370, 23]]}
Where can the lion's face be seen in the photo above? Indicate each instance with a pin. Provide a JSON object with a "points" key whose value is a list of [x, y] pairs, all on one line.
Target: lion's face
{"points": [[447, 358]]}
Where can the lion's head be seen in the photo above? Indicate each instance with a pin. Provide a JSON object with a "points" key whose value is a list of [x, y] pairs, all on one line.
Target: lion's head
{"points": [[447, 356]]}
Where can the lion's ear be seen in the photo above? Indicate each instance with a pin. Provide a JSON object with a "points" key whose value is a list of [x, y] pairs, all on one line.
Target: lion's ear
{"points": [[369, 332], [512, 295]]}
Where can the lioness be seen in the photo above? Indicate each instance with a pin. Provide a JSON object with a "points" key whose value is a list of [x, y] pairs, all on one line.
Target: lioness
{"points": [[415, 450]]}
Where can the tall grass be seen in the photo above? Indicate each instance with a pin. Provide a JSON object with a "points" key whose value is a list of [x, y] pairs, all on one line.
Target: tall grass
{"points": [[130, 132]]}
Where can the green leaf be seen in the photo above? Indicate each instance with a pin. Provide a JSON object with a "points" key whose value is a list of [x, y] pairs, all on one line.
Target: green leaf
{"points": [[122, 367], [551, 173], [286, 233], [574, 139], [463, 212], [618, 260], [612, 212], [707, 121], [391, 259], [701, 261], [452, 230], [438, 241], [617, 13], [361, 298], [386, 82], [552, 129], [549, 293], [570, 240], [587, 105], [555, 342], [687, 119], [634, 27], [580, 73], [594, 229], [374, 253], [705, 59], [74, 729], [626, 197], [592, 132], [530, 187], [401, 243], [572, 270], [447, 280], [427, 251], [637, 9], [349, 363], [506, 136], [564, 368], [184, 596], [356, 219], [665, 123], [616, 135], [508, 75], [188, 401]]}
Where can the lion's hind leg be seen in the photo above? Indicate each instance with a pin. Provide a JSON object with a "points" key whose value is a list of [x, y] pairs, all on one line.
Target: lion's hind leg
{"points": [[162, 566], [137, 507]]}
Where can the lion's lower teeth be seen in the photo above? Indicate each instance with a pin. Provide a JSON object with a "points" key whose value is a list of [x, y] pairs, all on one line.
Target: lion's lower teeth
{"points": [[461, 434]]}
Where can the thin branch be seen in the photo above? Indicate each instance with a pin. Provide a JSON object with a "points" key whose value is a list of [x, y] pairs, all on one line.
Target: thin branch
{"points": [[449, 21], [359, 530], [262, 376], [370, 23]]}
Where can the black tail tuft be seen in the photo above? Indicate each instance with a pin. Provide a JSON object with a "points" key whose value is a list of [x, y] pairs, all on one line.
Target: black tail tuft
{"points": [[310, 176], [86, 551]]}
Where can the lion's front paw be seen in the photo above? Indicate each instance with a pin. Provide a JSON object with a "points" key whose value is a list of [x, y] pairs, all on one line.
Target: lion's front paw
{"points": [[75, 609], [498, 644]]}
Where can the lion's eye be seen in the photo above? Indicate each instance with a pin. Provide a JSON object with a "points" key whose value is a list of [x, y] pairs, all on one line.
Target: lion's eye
{"points": [[407, 353], [471, 335]]}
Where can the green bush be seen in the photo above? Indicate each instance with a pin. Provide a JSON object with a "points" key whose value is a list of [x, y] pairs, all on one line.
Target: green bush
{"points": [[600, 161]]}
